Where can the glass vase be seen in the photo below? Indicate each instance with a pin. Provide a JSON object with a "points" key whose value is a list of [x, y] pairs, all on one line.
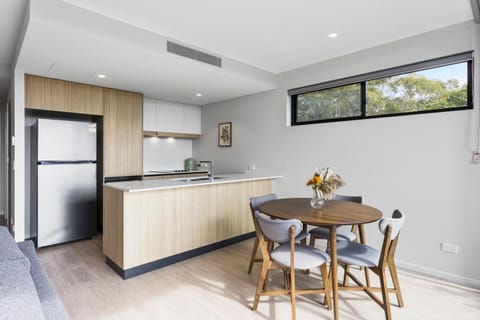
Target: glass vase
{"points": [[317, 200]]}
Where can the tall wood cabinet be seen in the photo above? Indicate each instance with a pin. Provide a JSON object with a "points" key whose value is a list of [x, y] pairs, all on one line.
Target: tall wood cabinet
{"points": [[123, 133]]}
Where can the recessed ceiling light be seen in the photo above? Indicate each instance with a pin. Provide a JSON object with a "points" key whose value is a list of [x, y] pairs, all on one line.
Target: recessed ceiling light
{"points": [[333, 35], [199, 94], [101, 76]]}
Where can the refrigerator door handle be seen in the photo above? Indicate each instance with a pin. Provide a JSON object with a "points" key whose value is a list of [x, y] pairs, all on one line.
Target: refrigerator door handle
{"points": [[53, 162]]}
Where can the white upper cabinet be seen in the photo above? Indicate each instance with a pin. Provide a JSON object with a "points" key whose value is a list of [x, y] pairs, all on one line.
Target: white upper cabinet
{"points": [[149, 115], [192, 119], [169, 117]]}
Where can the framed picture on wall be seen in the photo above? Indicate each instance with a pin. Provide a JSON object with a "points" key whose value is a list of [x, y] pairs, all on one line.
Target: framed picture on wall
{"points": [[225, 134]]}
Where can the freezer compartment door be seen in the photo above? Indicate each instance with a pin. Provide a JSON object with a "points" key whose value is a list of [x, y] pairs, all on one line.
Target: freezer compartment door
{"points": [[66, 203], [66, 140]]}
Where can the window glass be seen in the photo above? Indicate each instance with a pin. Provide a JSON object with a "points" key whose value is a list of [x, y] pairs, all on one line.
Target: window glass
{"points": [[433, 89], [340, 102]]}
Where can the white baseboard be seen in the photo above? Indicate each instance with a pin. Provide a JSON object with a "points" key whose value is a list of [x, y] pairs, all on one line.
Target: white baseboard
{"points": [[464, 281]]}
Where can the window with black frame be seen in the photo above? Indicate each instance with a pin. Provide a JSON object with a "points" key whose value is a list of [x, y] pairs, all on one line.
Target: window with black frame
{"points": [[443, 84]]}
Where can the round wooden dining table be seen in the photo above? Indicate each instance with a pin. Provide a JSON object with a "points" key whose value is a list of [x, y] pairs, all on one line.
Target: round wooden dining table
{"points": [[333, 214]]}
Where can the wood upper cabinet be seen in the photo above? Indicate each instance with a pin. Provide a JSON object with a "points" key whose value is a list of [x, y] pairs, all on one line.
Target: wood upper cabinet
{"points": [[60, 95], [86, 99], [46, 94], [122, 133]]}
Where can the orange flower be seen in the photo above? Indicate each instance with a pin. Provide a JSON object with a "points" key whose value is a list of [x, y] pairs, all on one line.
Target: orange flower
{"points": [[315, 181]]}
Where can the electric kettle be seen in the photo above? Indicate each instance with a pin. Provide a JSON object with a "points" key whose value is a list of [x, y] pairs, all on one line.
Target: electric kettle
{"points": [[190, 164]]}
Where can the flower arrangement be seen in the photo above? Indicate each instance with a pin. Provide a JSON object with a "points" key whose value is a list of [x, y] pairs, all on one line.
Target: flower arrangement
{"points": [[324, 183]]}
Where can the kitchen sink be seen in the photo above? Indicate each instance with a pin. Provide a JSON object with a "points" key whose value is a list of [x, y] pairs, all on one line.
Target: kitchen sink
{"points": [[199, 179]]}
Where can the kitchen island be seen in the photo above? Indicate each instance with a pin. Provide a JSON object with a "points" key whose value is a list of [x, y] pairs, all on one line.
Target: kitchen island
{"points": [[149, 224]]}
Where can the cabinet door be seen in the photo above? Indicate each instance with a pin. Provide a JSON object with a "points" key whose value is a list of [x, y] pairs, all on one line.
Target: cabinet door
{"points": [[122, 133], [149, 115], [169, 116], [85, 99], [192, 119], [46, 94], [56, 94], [34, 92]]}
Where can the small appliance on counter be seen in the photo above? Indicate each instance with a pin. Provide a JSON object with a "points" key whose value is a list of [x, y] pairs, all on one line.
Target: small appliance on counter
{"points": [[190, 164]]}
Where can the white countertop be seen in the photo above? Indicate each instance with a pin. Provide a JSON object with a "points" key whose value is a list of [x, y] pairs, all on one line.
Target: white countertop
{"points": [[171, 172], [149, 185]]}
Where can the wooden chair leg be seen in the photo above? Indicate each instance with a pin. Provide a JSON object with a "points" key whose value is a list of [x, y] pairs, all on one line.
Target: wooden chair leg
{"points": [[253, 256], [265, 280], [312, 240], [292, 293], [327, 286], [367, 276], [386, 299], [286, 281], [260, 285], [346, 269], [396, 283]]}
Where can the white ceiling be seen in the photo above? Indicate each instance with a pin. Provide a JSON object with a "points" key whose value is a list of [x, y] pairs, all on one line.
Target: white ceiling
{"points": [[126, 39]]}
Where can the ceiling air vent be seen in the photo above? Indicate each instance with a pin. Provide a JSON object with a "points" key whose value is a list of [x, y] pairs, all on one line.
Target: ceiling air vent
{"points": [[193, 54]]}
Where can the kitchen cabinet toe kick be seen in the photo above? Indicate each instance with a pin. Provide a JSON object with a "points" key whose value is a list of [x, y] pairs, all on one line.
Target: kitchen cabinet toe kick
{"points": [[160, 263]]}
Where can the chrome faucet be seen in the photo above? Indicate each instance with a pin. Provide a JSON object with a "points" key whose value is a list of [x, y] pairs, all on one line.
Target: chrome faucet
{"points": [[210, 169]]}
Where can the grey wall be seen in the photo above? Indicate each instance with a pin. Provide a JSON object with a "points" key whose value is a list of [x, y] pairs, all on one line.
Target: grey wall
{"points": [[420, 164]]}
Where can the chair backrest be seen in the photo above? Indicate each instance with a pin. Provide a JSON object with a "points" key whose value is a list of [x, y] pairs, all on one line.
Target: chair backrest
{"points": [[256, 202], [396, 223], [357, 199], [277, 230]]}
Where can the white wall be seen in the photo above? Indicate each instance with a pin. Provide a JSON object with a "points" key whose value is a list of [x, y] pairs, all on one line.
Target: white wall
{"points": [[420, 164], [18, 101], [165, 153], [3, 156]]}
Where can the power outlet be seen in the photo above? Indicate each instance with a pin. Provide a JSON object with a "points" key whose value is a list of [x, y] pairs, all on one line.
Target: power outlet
{"points": [[449, 247], [476, 157], [251, 167]]}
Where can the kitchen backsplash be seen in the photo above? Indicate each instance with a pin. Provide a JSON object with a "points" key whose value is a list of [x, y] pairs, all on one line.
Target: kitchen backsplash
{"points": [[165, 153]]}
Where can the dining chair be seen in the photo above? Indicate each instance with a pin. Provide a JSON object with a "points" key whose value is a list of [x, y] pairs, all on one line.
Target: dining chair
{"points": [[352, 253], [288, 256], [255, 203], [344, 232]]}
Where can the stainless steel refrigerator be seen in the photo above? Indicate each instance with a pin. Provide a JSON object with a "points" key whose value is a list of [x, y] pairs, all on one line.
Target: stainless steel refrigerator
{"points": [[64, 155]]}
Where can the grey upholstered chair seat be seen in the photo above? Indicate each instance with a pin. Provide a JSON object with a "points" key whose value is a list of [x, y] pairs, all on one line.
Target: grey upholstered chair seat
{"points": [[304, 258], [343, 233], [302, 235], [357, 254]]}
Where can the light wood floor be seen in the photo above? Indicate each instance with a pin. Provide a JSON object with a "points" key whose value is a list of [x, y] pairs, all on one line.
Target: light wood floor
{"points": [[217, 286]]}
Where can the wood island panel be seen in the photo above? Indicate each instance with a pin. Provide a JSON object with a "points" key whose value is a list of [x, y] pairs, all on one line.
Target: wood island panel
{"points": [[162, 223], [113, 231]]}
